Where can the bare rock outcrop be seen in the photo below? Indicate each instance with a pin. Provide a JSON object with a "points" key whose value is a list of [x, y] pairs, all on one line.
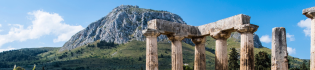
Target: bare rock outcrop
{"points": [[122, 24]]}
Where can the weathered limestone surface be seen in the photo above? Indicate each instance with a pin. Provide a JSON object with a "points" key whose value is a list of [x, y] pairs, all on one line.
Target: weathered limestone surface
{"points": [[225, 24], [310, 13], [177, 55], [247, 46], [167, 27], [312, 44], [200, 53], [221, 54], [279, 53], [220, 30], [151, 49]]}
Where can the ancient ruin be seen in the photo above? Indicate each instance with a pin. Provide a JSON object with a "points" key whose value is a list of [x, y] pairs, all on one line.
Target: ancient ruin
{"points": [[219, 30], [279, 52], [310, 13]]}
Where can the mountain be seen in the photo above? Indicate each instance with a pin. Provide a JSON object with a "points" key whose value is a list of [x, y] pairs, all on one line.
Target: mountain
{"points": [[125, 23], [122, 24], [115, 42]]}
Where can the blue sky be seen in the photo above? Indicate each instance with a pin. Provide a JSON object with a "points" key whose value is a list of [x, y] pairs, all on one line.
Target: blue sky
{"points": [[39, 23]]}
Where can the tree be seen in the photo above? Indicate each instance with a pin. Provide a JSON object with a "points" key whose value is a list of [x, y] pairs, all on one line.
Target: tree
{"points": [[139, 59], [262, 61], [289, 65], [19, 68], [186, 67], [233, 59], [303, 66], [294, 68], [34, 67]]}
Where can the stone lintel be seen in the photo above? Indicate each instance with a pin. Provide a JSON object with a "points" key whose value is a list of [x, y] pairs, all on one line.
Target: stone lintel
{"points": [[215, 29], [227, 24], [178, 29], [309, 12]]}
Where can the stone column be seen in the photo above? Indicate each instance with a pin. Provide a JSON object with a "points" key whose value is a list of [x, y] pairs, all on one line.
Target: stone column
{"points": [[221, 54], [310, 13], [279, 53], [247, 46], [177, 55], [151, 49], [200, 54]]}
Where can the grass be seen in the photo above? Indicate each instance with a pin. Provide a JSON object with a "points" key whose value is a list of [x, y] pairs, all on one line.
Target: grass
{"points": [[129, 56]]}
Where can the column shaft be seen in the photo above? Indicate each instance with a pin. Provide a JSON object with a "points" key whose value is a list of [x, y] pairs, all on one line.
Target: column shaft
{"points": [[151, 53], [247, 51], [221, 55], [177, 56], [279, 53], [310, 13], [312, 66], [200, 53]]}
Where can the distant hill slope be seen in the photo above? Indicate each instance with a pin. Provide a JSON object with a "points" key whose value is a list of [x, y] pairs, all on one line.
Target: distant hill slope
{"points": [[128, 56]]}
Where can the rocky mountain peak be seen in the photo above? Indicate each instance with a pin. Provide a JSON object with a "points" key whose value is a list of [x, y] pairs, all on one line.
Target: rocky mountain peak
{"points": [[122, 24]]}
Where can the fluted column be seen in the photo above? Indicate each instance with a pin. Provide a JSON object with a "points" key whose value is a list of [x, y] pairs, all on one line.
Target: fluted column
{"points": [[310, 13], [279, 52], [221, 54], [247, 46], [312, 44], [200, 55], [177, 55], [151, 49]]}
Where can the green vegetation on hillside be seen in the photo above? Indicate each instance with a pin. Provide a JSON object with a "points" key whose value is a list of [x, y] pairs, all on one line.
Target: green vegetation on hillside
{"points": [[262, 61], [233, 60], [107, 55], [25, 56]]}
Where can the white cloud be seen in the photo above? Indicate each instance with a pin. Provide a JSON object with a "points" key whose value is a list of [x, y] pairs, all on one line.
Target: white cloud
{"points": [[291, 50], [291, 37], [43, 23], [0, 25], [7, 49], [265, 38], [306, 24]]}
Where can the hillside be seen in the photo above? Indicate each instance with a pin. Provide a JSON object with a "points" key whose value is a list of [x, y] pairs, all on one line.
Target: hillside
{"points": [[128, 56]]}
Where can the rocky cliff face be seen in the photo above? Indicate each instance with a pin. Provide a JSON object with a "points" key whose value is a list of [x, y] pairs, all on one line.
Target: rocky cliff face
{"points": [[125, 23], [257, 43], [122, 24]]}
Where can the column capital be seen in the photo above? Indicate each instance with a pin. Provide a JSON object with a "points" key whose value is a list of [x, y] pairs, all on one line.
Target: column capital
{"points": [[247, 28], [198, 40], [309, 12], [222, 35], [151, 33], [175, 37]]}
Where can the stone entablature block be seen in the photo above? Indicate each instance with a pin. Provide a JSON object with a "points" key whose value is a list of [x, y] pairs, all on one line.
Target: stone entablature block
{"points": [[238, 23]]}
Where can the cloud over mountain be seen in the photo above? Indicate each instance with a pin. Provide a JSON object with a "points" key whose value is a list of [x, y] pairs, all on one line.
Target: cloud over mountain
{"points": [[43, 23]]}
